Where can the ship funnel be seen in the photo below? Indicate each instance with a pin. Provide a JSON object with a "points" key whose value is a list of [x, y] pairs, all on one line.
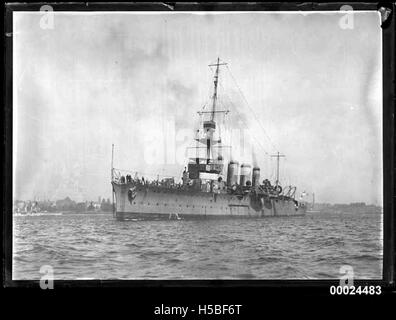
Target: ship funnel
{"points": [[256, 176], [232, 173], [245, 174]]}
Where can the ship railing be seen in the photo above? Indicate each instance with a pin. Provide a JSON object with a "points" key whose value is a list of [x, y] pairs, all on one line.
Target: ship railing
{"points": [[289, 192], [268, 191], [122, 176]]}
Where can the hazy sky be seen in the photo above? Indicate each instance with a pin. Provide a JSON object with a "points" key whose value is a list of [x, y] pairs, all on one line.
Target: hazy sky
{"points": [[137, 80]]}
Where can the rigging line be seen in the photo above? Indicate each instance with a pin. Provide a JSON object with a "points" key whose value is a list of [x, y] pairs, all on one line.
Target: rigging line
{"points": [[241, 118], [255, 115], [209, 90], [252, 136], [286, 170]]}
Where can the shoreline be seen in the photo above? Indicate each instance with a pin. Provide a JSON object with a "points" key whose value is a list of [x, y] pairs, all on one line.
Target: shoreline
{"points": [[60, 213]]}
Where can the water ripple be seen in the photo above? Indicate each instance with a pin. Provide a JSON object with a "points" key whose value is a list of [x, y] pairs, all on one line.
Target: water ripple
{"points": [[99, 247]]}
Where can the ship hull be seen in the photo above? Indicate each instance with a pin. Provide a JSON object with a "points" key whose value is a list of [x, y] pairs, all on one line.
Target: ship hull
{"points": [[152, 202]]}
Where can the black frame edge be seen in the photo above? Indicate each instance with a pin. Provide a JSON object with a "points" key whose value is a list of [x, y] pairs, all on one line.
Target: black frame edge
{"points": [[388, 52]]}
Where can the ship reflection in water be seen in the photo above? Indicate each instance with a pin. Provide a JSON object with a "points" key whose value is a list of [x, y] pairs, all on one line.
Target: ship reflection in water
{"points": [[297, 247]]}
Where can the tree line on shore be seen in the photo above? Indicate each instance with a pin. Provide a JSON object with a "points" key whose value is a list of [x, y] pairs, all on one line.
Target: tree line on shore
{"points": [[67, 204]]}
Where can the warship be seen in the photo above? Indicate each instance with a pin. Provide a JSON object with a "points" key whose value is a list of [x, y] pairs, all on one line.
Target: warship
{"points": [[208, 188]]}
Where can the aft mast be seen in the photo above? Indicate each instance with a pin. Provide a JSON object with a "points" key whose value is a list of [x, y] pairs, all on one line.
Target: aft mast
{"points": [[112, 178], [277, 156]]}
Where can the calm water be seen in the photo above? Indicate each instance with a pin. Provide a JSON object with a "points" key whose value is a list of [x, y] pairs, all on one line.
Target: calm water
{"points": [[96, 246]]}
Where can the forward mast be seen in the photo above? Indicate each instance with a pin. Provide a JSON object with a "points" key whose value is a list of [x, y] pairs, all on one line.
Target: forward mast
{"points": [[209, 164]]}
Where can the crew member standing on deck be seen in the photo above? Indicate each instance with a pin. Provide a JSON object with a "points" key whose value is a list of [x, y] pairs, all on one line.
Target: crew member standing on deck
{"points": [[185, 177]]}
